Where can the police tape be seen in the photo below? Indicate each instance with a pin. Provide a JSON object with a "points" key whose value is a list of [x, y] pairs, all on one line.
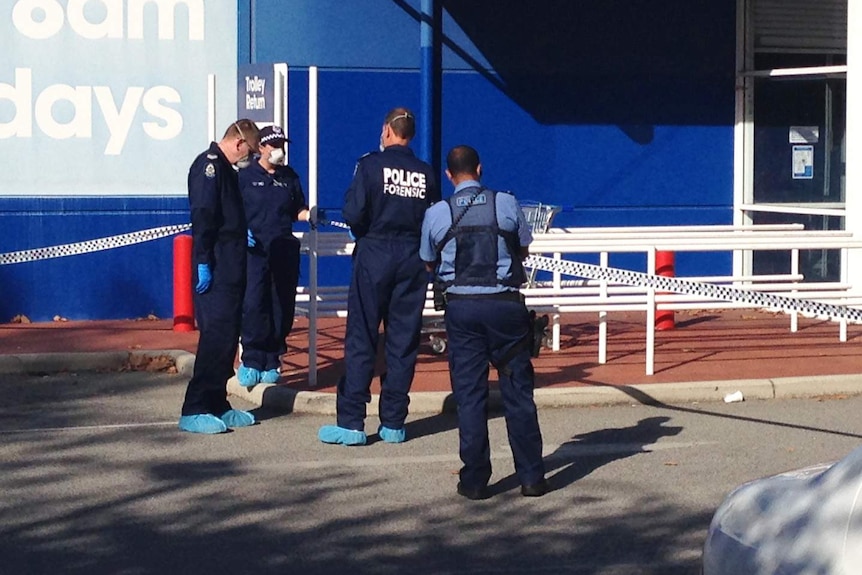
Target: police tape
{"points": [[690, 287], [96, 245], [567, 267]]}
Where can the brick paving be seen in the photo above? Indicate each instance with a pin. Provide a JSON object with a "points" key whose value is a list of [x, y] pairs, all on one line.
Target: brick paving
{"points": [[710, 345]]}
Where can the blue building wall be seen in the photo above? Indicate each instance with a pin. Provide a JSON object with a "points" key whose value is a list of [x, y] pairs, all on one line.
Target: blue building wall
{"points": [[126, 282], [621, 111]]}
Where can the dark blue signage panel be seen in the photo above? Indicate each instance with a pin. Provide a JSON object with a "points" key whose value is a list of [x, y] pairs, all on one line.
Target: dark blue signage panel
{"points": [[255, 92]]}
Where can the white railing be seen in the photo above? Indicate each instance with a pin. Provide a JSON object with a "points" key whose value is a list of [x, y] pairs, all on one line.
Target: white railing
{"points": [[558, 296]]}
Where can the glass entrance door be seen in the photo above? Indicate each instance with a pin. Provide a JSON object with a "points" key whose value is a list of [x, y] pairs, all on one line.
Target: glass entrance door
{"points": [[799, 156]]}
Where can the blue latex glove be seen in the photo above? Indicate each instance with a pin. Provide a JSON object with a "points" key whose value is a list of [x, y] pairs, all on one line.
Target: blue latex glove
{"points": [[205, 278], [251, 241]]}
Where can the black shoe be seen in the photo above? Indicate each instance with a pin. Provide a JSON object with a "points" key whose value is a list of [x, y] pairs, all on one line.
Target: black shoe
{"points": [[473, 494], [536, 489]]}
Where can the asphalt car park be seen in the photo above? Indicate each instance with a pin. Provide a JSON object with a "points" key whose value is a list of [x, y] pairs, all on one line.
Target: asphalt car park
{"points": [[97, 479]]}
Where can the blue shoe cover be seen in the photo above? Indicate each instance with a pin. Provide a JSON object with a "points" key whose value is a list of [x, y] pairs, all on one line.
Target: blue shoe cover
{"points": [[247, 376], [390, 435], [237, 418], [202, 423], [269, 376], [335, 434]]}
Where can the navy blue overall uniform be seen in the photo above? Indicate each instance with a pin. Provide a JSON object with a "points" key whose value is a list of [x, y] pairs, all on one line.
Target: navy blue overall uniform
{"points": [[384, 207], [272, 203], [219, 240], [486, 322]]}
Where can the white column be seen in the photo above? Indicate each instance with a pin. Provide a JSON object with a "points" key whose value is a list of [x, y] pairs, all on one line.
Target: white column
{"points": [[279, 115], [853, 164], [312, 244], [743, 131], [211, 107]]}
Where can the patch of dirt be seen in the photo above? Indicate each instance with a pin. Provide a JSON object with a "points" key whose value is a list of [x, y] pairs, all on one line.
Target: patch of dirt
{"points": [[152, 363]]}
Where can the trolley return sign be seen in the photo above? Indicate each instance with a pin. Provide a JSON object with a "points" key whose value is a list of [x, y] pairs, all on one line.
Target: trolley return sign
{"points": [[255, 92]]}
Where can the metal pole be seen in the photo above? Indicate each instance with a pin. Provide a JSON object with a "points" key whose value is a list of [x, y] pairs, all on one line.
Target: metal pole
{"points": [[853, 140], [431, 74], [211, 107], [252, 31], [312, 244], [426, 80]]}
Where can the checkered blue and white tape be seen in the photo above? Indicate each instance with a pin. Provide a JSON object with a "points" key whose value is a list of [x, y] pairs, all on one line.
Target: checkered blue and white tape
{"points": [[689, 287], [577, 269], [88, 246], [682, 286]]}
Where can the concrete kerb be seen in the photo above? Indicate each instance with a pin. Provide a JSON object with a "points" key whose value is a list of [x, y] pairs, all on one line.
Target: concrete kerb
{"points": [[34, 363], [323, 403]]}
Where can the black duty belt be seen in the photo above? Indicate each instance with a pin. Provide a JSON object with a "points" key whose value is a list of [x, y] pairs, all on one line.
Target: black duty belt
{"points": [[515, 296]]}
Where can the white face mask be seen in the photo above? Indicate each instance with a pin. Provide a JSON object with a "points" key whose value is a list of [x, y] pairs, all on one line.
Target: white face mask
{"points": [[381, 146], [276, 157], [243, 163]]}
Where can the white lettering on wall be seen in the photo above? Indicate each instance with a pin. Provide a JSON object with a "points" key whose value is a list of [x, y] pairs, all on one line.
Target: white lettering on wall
{"points": [[119, 119], [110, 27], [20, 94], [173, 120], [81, 124], [63, 111], [166, 9], [42, 19], [50, 23]]}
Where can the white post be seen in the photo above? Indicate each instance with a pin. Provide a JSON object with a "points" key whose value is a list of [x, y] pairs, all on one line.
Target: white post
{"points": [[279, 115], [853, 151], [842, 332], [211, 107], [312, 240], [742, 131], [794, 269], [650, 316], [555, 325], [603, 315]]}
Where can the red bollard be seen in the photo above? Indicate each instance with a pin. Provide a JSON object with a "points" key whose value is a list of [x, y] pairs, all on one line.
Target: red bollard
{"points": [[184, 309], [664, 267]]}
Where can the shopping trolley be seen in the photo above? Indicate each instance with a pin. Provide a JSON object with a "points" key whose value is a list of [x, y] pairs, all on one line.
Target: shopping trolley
{"points": [[539, 216]]}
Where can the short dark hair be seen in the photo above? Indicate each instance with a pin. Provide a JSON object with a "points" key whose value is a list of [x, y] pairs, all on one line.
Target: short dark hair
{"points": [[403, 122], [463, 160]]}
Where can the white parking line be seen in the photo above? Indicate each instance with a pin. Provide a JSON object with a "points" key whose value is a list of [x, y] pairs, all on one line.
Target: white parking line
{"points": [[551, 452], [87, 427]]}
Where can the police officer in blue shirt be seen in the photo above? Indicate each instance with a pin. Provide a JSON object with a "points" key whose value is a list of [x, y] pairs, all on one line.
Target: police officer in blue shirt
{"points": [[384, 207], [219, 237], [475, 243], [273, 200]]}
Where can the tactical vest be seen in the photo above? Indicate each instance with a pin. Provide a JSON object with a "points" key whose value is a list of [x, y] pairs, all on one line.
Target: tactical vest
{"points": [[475, 230]]}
